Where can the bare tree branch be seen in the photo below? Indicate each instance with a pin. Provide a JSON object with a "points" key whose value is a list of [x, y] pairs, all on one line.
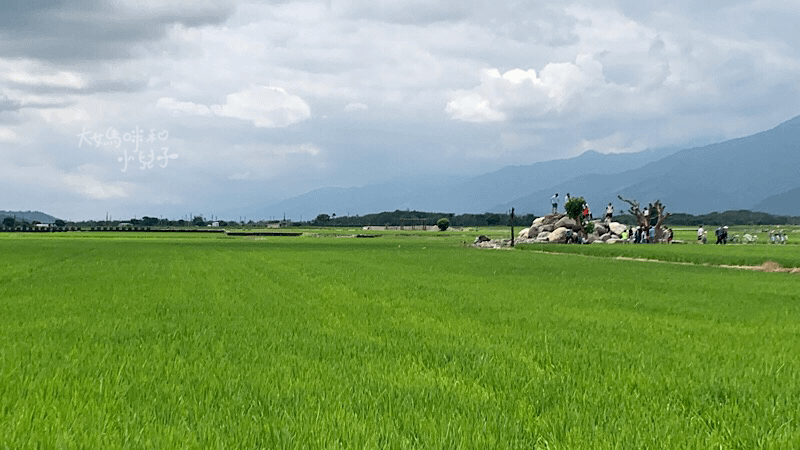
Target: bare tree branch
{"points": [[644, 220]]}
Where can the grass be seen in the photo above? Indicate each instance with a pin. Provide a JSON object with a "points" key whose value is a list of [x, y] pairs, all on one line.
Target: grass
{"points": [[403, 341], [737, 255]]}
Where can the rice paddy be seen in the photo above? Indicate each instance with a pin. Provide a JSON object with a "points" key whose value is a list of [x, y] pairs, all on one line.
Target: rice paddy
{"points": [[408, 340]]}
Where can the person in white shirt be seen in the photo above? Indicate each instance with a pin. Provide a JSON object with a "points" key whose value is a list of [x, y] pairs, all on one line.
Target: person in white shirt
{"points": [[554, 202]]}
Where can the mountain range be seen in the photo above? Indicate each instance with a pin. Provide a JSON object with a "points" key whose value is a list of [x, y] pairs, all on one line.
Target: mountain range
{"points": [[28, 216], [757, 172]]}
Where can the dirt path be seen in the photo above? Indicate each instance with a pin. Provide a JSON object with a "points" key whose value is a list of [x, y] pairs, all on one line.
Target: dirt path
{"points": [[767, 266]]}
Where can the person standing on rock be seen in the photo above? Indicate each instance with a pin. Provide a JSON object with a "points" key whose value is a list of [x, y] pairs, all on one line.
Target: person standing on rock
{"points": [[609, 212], [554, 202]]}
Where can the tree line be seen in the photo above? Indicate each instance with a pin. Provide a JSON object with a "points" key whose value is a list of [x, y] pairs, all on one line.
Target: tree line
{"points": [[417, 218], [405, 218]]}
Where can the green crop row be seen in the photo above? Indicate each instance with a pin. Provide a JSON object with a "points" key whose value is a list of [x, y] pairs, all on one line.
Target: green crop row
{"points": [[735, 255], [401, 341]]}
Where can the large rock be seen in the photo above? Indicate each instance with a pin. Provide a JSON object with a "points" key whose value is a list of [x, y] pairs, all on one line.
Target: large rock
{"points": [[551, 219], [549, 228], [523, 234], [617, 228], [566, 222], [600, 229], [538, 221], [558, 235]]}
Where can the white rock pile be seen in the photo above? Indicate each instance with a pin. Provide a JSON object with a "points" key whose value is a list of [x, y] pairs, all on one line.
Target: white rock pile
{"points": [[553, 228]]}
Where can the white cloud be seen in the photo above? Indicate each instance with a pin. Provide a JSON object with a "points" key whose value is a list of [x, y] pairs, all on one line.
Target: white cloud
{"points": [[30, 73], [7, 135], [175, 106], [265, 106], [88, 186], [59, 79], [30, 100], [473, 107], [523, 93], [65, 116]]}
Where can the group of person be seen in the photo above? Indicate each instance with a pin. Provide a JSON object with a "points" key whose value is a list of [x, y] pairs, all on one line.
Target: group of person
{"points": [[587, 213], [638, 235], [645, 235], [721, 233]]}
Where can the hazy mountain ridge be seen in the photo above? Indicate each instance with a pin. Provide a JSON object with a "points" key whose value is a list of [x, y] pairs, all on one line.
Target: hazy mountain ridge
{"points": [[789, 200], [475, 194], [741, 173], [28, 216]]}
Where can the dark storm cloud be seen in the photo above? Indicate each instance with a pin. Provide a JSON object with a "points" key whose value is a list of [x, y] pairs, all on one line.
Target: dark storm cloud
{"points": [[64, 31]]}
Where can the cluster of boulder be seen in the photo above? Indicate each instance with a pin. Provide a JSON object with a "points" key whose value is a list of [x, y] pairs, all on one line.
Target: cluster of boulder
{"points": [[557, 227]]}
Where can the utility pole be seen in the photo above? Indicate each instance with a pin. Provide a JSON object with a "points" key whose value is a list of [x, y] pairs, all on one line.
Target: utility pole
{"points": [[512, 227]]}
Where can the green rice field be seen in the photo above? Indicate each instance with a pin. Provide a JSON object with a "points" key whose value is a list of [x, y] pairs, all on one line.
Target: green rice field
{"points": [[405, 340]]}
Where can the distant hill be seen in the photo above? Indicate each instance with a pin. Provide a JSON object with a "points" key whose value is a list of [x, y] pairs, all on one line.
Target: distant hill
{"points": [[481, 193], [788, 201], [477, 194], [757, 172], [403, 194], [731, 175], [28, 216]]}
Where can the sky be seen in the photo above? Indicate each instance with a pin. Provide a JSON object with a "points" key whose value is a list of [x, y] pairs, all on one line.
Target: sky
{"points": [[176, 108]]}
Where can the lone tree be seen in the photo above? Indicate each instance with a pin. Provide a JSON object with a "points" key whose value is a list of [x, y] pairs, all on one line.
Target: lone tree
{"points": [[574, 209], [443, 223], [322, 219], [644, 218]]}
